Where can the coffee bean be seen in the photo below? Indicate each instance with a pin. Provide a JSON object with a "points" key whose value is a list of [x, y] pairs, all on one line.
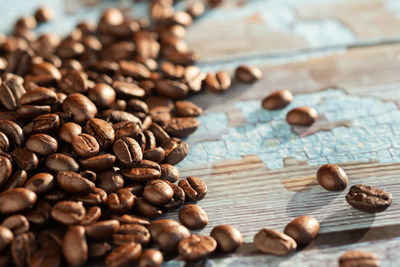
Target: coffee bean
{"points": [[274, 242], [115, 116], [175, 150], [194, 188], [22, 248], [74, 246], [18, 179], [193, 217], [142, 172], [131, 219], [124, 255], [81, 107], [102, 95], [16, 199], [302, 116], [150, 257], [157, 226], [127, 151], [61, 162], [277, 100], [43, 14], [110, 181], [172, 89], [51, 237], [5, 170], [182, 57], [196, 9], [146, 209], [13, 131], [332, 177], [98, 163], [121, 201], [74, 81], [45, 123], [41, 183], [46, 257], [96, 197], [4, 143], [85, 145], [17, 223], [42, 144], [169, 238], [102, 230], [127, 129], [187, 109], [101, 130], [98, 249], [39, 96], [157, 192], [156, 154], [39, 215], [92, 215], [68, 130], [228, 238], [368, 198], [68, 212], [196, 247], [303, 229], [55, 195], [30, 112], [247, 74], [128, 90], [132, 233], [6, 237], [181, 127], [354, 258], [178, 198], [218, 82], [11, 90], [74, 182]]}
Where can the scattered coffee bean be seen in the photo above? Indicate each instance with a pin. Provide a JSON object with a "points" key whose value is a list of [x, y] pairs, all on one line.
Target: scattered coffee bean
{"points": [[193, 217], [277, 100], [248, 74], [194, 188], [274, 242], [354, 258], [43, 14], [332, 177], [302, 116], [170, 236], [228, 238], [303, 229], [196, 247], [218, 82], [368, 198]]}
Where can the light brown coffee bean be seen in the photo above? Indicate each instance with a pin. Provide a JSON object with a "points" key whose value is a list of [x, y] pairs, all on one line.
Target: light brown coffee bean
{"points": [[17, 223], [196, 247], [6, 237], [74, 246], [274, 242], [170, 236], [354, 258], [248, 74], [303, 229], [151, 258], [68, 212], [302, 116], [102, 230], [332, 177], [16, 199], [228, 238], [218, 82], [193, 217], [277, 100]]}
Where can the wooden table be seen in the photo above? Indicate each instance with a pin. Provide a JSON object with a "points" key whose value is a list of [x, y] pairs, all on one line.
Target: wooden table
{"points": [[341, 57]]}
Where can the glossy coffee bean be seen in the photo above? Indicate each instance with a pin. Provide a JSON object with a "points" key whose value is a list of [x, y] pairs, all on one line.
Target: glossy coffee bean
{"points": [[102, 95], [17, 223], [127, 151], [193, 217], [68, 130], [41, 183], [171, 89], [74, 182], [157, 192], [131, 219], [181, 127], [157, 226], [92, 215], [273, 242], [354, 258], [150, 258], [101, 130], [121, 201], [146, 209], [194, 188], [85, 145], [68, 212], [96, 197], [5, 170], [39, 214], [110, 181], [16, 199], [175, 150], [11, 90], [228, 238], [132, 233], [13, 131], [81, 107], [6, 237], [39, 96], [124, 255], [98, 163], [102, 230], [42, 144], [332, 177], [156, 154], [170, 237], [302, 116], [61, 162], [4, 143], [178, 198], [196, 247], [247, 74], [29, 112], [303, 229], [45, 123], [75, 249], [98, 249], [25, 159], [142, 172], [368, 198], [277, 100], [187, 109]]}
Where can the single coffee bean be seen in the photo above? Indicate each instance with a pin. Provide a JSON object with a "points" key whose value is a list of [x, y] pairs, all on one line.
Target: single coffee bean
{"points": [[46, 257], [160, 134], [368, 198], [68, 212], [175, 150], [193, 217], [5, 170], [45, 123], [110, 181], [144, 208], [157, 226], [181, 127], [74, 182], [156, 154], [157, 192], [178, 198], [4, 143], [29, 112], [354, 258], [228, 238], [302, 116], [274, 242], [172, 89], [126, 129], [55, 195], [81, 107], [25, 159], [11, 90], [39, 214], [98, 163], [124, 255], [16, 199], [17, 223], [85, 145], [131, 219], [169, 238], [102, 230], [128, 90], [22, 248], [92, 215], [98, 249], [194, 188], [277, 100], [6, 237], [127, 151], [142, 172], [39, 96], [42, 144], [134, 69], [121, 201], [61, 162], [218, 82], [101, 130], [102, 95], [18, 179], [196, 247], [41, 183], [13, 131], [332, 177], [151, 257], [95, 198], [187, 109], [303, 229], [132, 233], [74, 81], [74, 246], [68, 130], [43, 14]]}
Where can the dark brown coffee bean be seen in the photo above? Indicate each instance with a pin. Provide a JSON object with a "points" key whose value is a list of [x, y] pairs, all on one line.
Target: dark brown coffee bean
{"points": [[43, 14], [5, 260], [68, 130], [61, 162], [68, 212], [274, 242], [169, 173], [46, 257], [228, 238], [134, 69], [115, 116], [332, 177], [172, 89], [132, 233], [142, 172], [98, 163], [194, 188], [181, 127], [187, 109], [156, 154], [51, 237], [193, 217], [218, 82], [303, 229], [302, 116], [17, 223], [4, 143], [156, 227], [18, 179], [16, 199], [6, 237], [127, 129], [175, 150], [277, 100], [150, 257], [127, 151], [74, 81], [70, 49], [354, 258], [128, 90], [102, 95], [131, 219], [42, 144], [74, 182], [85, 145], [102, 230], [196, 247], [92, 215], [136, 105], [48, 69], [55, 195], [110, 181], [169, 238], [22, 248], [13, 131], [11, 90], [178, 198], [81, 108], [30, 112], [146, 209], [5, 170], [45, 123], [97, 197], [39, 96], [368, 198], [41, 183], [124, 255], [39, 215], [74, 246], [121, 201], [157, 192], [247, 74], [151, 141], [98, 249]]}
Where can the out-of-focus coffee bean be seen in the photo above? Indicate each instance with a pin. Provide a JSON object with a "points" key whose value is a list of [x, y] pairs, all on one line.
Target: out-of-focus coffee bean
{"points": [[218, 82], [74, 81], [74, 246], [6, 237], [39, 214], [5, 170], [102, 95], [46, 257], [124, 255], [354, 258], [39, 96], [228, 238], [41, 183], [43, 14], [74, 182], [17, 223], [16, 199], [92, 215], [68, 212], [277, 100], [18, 179], [102, 230], [193, 217], [181, 127], [302, 116], [248, 74], [150, 257], [98, 249], [303, 229], [22, 248], [172, 89]]}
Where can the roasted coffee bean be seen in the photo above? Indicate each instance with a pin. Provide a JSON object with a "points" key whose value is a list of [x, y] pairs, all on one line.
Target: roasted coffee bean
{"points": [[81, 108], [193, 217], [157, 192], [127, 129], [74, 81], [172, 89], [6, 237], [99, 163], [85, 145], [354, 258], [194, 188], [303, 229], [22, 248], [156, 227], [41, 183], [196, 247], [18, 179], [121, 201], [277, 100], [102, 230], [42, 144], [332, 177], [142, 172], [74, 182], [55, 195], [172, 71], [46, 257], [13, 131], [17, 223], [110, 181], [124, 255], [302, 116], [132, 233], [368, 198], [28, 22], [61, 162], [151, 141], [169, 173], [128, 90], [131, 219], [228, 238], [146, 209], [68, 212], [70, 49], [45, 123], [127, 151], [68, 130], [91, 176], [16, 199], [182, 57], [102, 95], [115, 116], [187, 109], [51, 237], [178, 198], [160, 134], [5, 170], [43, 14], [181, 127], [218, 82], [11, 90], [175, 150], [5, 260], [92, 215], [30, 112], [150, 257], [4, 143], [274, 242], [39, 96], [97, 197], [134, 69], [196, 9], [136, 105], [39, 215], [74, 246], [169, 238], [247, 74], [98, 249], [156, 154]]}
